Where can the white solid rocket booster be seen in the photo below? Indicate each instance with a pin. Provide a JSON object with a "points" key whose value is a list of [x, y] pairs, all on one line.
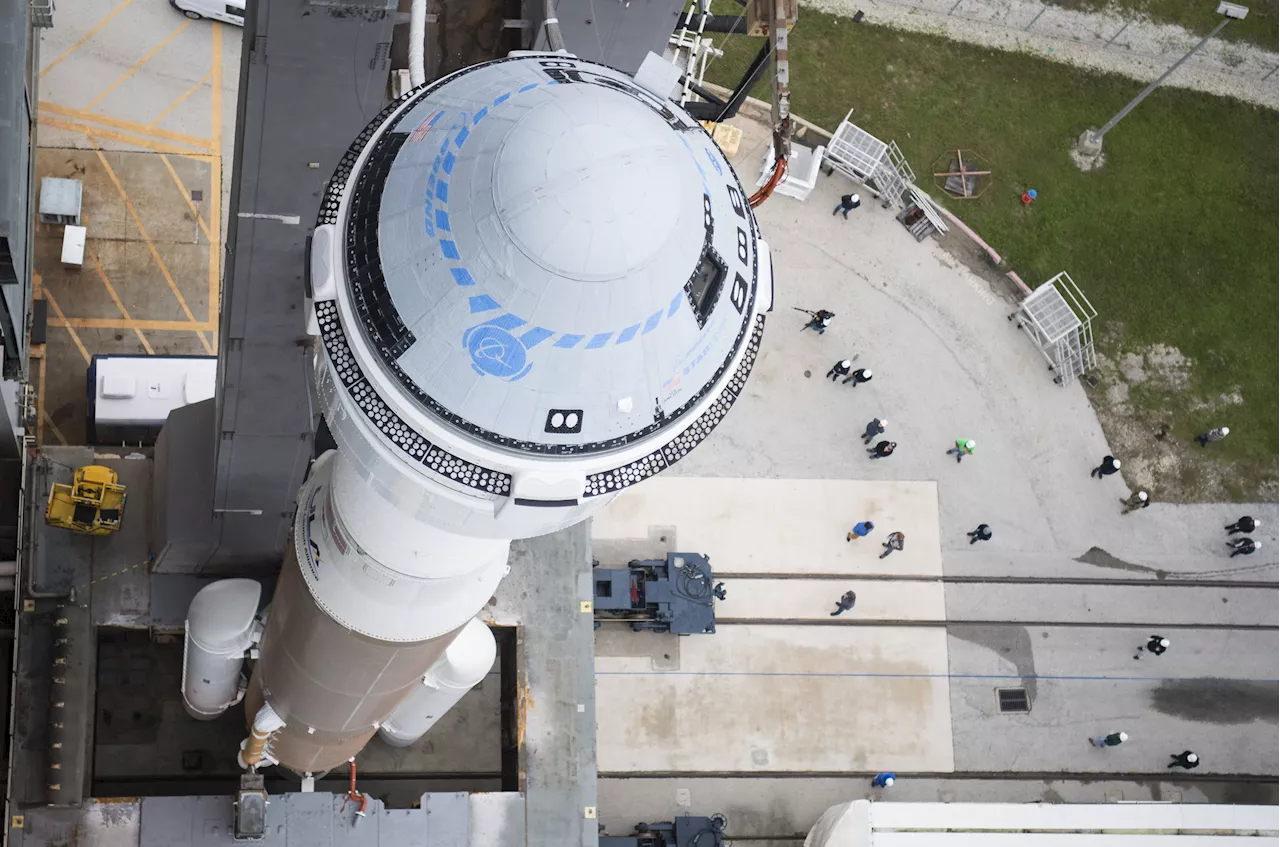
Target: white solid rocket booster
{"points": [[533, 283]]}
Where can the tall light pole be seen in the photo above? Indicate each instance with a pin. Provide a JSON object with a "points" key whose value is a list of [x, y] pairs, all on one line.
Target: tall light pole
{"points": [[1090, 142]]}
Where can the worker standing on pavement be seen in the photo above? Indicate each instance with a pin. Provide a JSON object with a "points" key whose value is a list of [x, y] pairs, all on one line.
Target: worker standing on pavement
{"points": [[876, 427], [982, 533], [860, 529], [818, 321], [884, 448], [858, 377], [964, 447], [845, 603], [1115, 739], [1186, 759], [884, 780], [896, 542], [1243, 546], [1137, 500], [847, 204], [1110, 464], [841, 368], [1156, 646], [1245, 525]]}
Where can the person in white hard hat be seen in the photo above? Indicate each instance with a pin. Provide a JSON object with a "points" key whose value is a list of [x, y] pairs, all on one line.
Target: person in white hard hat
{"points": [[847, 204], [1115, 739], [840, 368], [858, 377], [873, 429], [964, 447], [1156, 646], [1110, 464], [1137, 500], [1245, 525], [1185, 759], [884, 780], [1213, 435], [1243, 546]]}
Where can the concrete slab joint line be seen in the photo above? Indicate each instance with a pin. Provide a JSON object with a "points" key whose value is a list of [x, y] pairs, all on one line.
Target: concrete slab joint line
{"points": [[1090, 40]]}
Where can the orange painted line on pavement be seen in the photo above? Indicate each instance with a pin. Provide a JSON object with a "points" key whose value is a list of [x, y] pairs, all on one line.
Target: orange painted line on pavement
{"points": [[145, 130], [74, 47], [176, 103], [155, 254], [115, 298], [186, 195], [215, 181], [121, 138], [147, 58], [62, 439], [48, 295], [131, 324]]}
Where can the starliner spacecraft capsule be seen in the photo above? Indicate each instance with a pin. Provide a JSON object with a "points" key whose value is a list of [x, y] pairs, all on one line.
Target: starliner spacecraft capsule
{"points": [[533, 284]]}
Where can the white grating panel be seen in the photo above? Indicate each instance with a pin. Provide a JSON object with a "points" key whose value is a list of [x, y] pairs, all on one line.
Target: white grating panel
{"points": [[854, 149]]}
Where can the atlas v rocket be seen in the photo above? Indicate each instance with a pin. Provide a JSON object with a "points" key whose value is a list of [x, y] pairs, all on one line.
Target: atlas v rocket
{"points": [[533, 283]]}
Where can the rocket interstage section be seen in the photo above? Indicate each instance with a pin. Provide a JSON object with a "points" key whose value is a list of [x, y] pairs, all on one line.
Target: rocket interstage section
{"points": [[535, 283]]}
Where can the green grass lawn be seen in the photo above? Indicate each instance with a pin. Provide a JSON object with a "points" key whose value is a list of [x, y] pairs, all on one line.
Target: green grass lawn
{"points": [[1260, 27], [1174, 241]]}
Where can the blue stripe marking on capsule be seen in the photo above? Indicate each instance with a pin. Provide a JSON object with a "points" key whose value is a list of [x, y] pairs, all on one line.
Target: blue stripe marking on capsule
{"points": [[442, 220], [675, 304], [627, 334], [442, 191], [507, 321], [479, 115], [462, 276], [652, 324], [501, 98], [449, 249], [598, 341], [447, 164], [537, 335], [483, 303], [568, 341]]}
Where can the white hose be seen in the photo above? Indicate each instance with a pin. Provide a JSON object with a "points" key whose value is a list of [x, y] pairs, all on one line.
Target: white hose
{"points": [[417, 43], [555, 41]]}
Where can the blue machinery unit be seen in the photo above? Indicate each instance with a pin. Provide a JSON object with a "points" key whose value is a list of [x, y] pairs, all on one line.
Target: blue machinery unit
{"points": [[675, 594], [682, 832]]}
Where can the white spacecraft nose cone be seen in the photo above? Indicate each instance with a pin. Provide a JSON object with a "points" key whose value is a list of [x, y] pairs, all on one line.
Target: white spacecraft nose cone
{"points": [[586, 188]]}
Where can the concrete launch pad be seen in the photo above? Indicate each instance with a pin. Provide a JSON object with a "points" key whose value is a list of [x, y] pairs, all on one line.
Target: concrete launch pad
{"points": [[759, 699], [763, 526], [771, 691]]}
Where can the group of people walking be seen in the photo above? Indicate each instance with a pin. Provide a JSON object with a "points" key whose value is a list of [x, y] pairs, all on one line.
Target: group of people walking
{"points": [[844, 372]]}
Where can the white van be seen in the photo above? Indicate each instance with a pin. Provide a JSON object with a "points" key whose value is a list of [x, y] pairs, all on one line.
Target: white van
{"points": [[130, 396], [227, 11]]}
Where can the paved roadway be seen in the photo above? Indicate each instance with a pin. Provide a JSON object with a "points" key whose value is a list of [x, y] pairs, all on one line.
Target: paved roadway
{"points": [[1055, 603]]}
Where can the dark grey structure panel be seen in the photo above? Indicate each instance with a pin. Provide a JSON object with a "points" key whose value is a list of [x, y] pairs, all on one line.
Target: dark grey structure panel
{"points": [[311, 77], [617, 34], [552, 575], [19, 57]]}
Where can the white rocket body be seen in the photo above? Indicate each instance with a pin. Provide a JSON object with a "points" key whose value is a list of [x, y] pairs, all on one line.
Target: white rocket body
{"points": [[220, 629], [533, 284], [463, 666]]}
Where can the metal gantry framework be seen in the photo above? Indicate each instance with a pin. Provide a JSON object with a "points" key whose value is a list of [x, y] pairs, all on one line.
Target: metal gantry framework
{"points": [[688, 49], [1059, 320]]}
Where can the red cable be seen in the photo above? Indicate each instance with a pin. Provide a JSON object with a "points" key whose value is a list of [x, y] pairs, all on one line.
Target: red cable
{"points": [[779, 170]]}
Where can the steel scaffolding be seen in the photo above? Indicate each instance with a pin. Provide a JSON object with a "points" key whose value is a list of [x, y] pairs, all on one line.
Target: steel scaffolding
{"points": [[1059, 320]]}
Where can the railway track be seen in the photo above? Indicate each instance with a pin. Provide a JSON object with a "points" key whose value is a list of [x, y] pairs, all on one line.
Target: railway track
{"points": [[1013, 580]]}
